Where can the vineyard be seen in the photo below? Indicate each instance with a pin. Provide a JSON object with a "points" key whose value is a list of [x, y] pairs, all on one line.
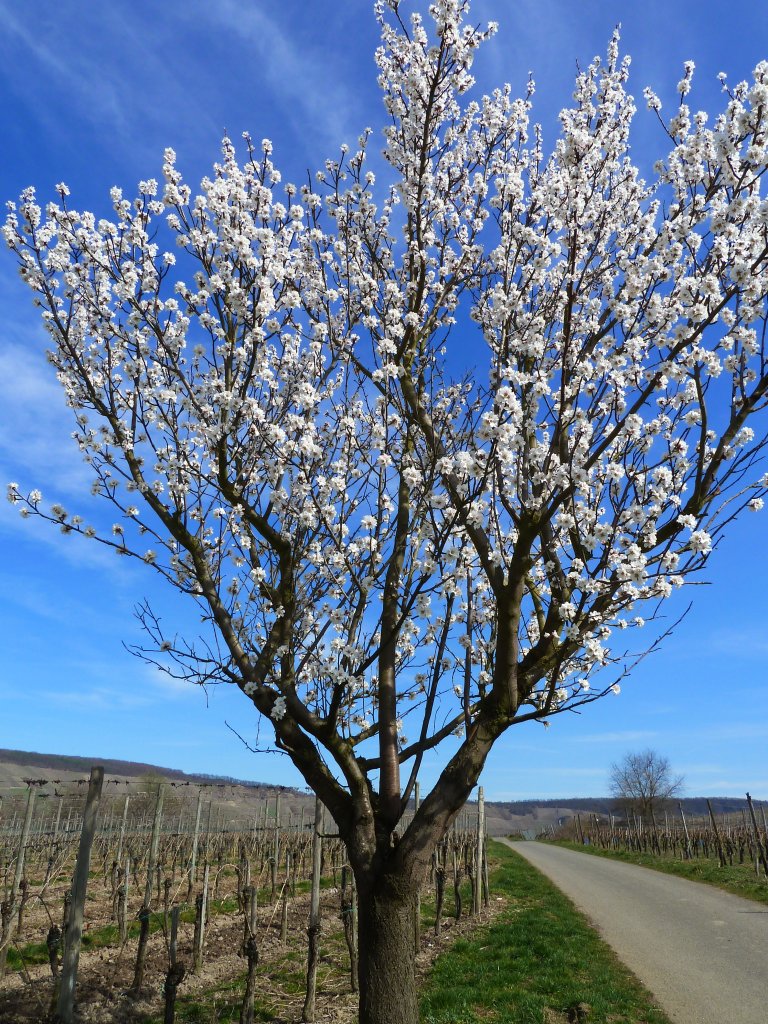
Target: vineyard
{"points": [[727, 841], [135, 900]]}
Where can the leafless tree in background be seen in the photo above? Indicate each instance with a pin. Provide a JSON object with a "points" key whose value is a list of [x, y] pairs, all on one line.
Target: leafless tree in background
{"points": [[644, 782]]}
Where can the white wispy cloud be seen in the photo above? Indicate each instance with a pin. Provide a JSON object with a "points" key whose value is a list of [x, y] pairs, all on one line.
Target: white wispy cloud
{"points": [[72, 549], [162, 685], [98, 699], [86, 83], [34, 597], [625, 736], [37, 451], [35, 426], [318, 106], [120, 74], [564, 772], [694, 768], [750, 642], [736, 731], [146, 686]]}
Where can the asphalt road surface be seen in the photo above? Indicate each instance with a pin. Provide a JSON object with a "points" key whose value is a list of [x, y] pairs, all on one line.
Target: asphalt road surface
{"points": [[702, 952]]}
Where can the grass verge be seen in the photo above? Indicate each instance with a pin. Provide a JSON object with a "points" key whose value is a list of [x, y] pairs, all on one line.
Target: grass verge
{"points": [[736, 878], [538, 963]]}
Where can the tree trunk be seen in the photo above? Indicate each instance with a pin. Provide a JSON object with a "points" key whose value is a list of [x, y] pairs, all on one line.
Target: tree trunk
{"points": [[386, 971], [313, 931], [66, 996]]}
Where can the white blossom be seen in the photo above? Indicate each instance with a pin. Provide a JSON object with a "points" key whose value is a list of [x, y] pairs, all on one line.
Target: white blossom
{"points": [[278, 708], [381, 434]]}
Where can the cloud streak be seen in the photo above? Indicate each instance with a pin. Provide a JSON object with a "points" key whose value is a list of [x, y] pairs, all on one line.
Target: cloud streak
{"points": [[35, 426], [745, 643], [317, 105], [97, 699], [625, 736], [109, 76]]}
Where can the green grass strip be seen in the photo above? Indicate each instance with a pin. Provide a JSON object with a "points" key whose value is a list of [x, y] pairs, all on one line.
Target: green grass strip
{"points": [[538, 963], [739, 879]]}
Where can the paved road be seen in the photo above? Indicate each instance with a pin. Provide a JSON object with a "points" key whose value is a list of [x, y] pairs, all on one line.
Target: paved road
{"points": [[702, 952]]}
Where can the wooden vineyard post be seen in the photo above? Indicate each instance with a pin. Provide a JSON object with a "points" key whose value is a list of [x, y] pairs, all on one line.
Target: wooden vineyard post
{"points": [[313, 931], [174, 934], [276, 848], [53, 943], [145, 912], [154, 844], [250, 900], [250, 951], [486, 887], [759, 851], [272, 877], [456, 886], [122, 920], [480, 889], [58, 820], [201, 907], [65, 916], [166, 902], [284, 907], [66, 998], [720, 854], [688, 853], [348, 915], [9, 905], [121, 841], [122, 902], [439, 891], [175, 974], [22, 904], [243, 871], [195, 842]]}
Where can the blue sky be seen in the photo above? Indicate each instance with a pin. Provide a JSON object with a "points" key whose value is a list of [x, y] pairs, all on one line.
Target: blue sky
{"points": [[91, 94]]}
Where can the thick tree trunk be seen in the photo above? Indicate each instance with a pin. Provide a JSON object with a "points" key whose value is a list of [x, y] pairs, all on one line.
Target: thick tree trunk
{"points": [[386, 972]]}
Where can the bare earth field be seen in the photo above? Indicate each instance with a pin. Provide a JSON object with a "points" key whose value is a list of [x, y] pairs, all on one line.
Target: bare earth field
{"points": [[105, 974], [235, 832]]}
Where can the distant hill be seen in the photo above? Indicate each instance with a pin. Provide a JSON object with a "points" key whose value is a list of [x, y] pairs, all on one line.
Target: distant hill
{"points": [[234, 801], [12, 761], [694, 805], [243, 796]]}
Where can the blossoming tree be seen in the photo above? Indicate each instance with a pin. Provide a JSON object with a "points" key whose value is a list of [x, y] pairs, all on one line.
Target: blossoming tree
{"points": [[420, 450]]}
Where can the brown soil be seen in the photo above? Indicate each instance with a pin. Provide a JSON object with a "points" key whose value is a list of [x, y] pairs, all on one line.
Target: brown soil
{"points": [[105, 975]]}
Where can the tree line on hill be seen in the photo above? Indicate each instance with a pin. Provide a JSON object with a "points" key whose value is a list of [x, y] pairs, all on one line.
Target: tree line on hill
{"points": [[507, 808]]}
